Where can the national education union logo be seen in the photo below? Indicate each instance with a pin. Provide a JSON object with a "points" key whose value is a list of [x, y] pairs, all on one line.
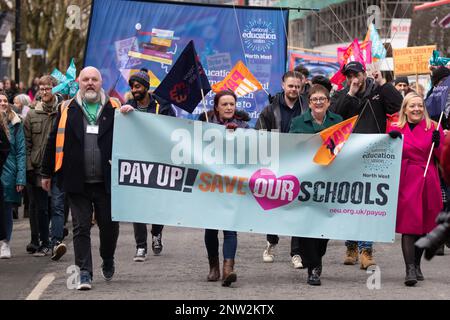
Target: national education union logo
{"points": [[259, 35]]}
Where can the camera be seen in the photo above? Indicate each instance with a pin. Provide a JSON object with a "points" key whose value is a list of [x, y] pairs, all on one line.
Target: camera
{"points": [[437, 237]]}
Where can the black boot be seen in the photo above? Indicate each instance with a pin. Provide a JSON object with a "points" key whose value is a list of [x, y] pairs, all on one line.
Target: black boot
{"points": [[15, 212], [314, 276], [417, 258], [411, 276], [214, 269], [419, 273]]}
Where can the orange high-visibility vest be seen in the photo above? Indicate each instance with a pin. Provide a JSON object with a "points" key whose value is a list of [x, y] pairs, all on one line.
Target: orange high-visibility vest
{"points": [[59, 151]]}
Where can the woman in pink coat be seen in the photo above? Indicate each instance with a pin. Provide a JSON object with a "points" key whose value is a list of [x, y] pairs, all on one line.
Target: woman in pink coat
{"points": [[419, 198]]}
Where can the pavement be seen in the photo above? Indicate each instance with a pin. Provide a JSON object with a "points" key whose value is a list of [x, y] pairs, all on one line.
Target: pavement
{"points": [[179, 273]]}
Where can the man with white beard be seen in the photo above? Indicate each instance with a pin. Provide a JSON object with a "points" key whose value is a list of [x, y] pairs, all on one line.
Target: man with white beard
{"points": [[81, 141]]}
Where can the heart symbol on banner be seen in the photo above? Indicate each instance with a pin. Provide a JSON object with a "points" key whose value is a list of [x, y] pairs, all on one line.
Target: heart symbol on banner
{"points": [[272, 192]]}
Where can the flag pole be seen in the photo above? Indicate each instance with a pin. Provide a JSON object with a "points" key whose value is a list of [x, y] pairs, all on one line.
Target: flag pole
{"points": [[204, 104], [417, 81], [432, 147]]}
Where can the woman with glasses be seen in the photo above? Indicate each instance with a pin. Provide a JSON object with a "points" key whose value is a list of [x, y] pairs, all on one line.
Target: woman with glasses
{"points": [[314, 120], [419, 198]]}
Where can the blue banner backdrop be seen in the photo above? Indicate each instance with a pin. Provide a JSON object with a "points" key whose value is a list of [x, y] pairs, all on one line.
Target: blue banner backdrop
{"points": [[125, 36]]}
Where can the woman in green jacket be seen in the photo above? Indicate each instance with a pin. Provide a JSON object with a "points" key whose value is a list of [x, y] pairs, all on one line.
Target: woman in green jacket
{"points": [[316, 119], [14, 172]]}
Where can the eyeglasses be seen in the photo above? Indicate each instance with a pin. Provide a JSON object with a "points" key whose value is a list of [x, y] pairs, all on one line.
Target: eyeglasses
{"points": [[320, 99], [44, 89]]}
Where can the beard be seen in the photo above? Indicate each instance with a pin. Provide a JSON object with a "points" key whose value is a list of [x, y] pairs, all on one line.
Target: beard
{"points": [[91, 96], [138, 96]]}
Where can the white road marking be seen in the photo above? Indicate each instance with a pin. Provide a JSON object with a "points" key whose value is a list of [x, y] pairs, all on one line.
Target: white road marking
{"points": [[41, 286]]}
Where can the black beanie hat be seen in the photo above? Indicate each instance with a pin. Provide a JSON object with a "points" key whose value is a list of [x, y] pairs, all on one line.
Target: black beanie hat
{"points": [[324, 81], [141, 77], [401, 80]]}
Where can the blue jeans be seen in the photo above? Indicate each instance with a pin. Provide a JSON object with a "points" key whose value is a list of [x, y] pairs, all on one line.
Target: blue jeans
{"points": [[57, 216], [8, 206], [229, 243], [361, 244]]}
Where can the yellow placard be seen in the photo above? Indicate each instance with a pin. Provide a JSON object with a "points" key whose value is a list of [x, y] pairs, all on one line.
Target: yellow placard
{"points": [[412, 60], [161, 42]]}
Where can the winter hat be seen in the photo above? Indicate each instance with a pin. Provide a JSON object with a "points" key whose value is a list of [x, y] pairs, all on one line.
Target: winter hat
{"points": [[141, 77], [438, 74], [401, 80], [324, 81]]}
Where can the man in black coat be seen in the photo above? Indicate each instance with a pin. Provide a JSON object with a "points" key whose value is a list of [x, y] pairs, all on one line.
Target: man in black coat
{"points": [[85, 170], [277, 116], [370, 99]]}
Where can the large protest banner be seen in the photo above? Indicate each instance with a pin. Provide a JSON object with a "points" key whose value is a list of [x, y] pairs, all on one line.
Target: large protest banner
{"points": [[129, 35], [188, 173]]}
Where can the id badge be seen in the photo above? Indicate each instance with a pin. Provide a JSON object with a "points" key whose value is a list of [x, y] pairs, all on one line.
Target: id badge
{"points": [[92, 129]]}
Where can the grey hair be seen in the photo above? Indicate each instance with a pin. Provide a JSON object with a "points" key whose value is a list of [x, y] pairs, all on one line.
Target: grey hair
{"points": [[24, 99]]}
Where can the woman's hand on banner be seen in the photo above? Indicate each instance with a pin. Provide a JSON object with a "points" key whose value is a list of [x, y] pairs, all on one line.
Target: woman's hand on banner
{"points": [[231, 126]]}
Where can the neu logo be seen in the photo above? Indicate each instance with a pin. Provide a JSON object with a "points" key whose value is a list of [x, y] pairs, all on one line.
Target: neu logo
{"points": [[179, 92], [271, 192]]}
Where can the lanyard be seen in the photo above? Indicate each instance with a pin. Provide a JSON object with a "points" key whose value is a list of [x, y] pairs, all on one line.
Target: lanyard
{"points": [[92, 117]]}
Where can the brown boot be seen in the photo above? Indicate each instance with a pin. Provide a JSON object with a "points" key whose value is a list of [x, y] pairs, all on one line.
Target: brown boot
{"points": [[214, 269], [228, 275], [351, 256], [366, 258]]}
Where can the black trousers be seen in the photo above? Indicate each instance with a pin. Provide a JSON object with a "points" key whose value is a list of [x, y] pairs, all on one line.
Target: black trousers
{"points": [[295, 246], [2, 214], [272, 238], [140, 233], [312, 250], [39, 215], [82, 205], [295, 243]]}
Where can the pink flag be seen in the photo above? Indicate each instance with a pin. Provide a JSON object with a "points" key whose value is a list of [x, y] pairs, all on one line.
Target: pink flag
{"points": [[352, 53]]}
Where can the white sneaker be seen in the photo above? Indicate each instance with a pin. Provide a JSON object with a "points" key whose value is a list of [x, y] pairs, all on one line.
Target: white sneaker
{"points": [[5, 251], [268, 255], [297, 262]]}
